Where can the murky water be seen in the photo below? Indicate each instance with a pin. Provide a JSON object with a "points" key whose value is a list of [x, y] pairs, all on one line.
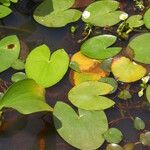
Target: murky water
{"points": [[24, 132]]}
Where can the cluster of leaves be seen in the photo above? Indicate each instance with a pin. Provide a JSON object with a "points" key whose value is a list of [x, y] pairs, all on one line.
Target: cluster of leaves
{"points": [[91, 66], [4, 7]]}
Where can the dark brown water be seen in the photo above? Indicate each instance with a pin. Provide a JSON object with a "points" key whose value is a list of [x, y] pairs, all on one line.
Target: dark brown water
{"points": [[25, 132]]}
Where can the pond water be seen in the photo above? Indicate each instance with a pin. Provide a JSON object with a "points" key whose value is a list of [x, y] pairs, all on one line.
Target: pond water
{"points": [[37, 130]]}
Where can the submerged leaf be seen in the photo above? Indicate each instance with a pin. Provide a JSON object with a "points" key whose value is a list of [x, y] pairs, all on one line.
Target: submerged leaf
{"points": [[44, 68], [89, 95], [125, 94], [139, 123], [98, 47], [25, 96], [83, 131]]}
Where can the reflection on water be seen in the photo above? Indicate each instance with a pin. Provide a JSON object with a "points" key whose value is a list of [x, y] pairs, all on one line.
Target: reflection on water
{"points": [[25, 133]]}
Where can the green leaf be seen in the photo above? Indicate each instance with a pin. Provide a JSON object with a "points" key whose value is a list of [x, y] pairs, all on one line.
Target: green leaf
{"points": [[88, 95], [4, 11], [18, 64], [113, 147], [126, 70], [75, 66], [125, 94], [9, 51], [145, 138], [148, 93], [113, 135], [102, 13], [146, 18], [106, 65], [110, 81], [135, 21], [56, 13], [18, 76], [5, 2], [25, 96], [139, 123], [44, 68], [98, 47], [83, 130], [140, 47]]}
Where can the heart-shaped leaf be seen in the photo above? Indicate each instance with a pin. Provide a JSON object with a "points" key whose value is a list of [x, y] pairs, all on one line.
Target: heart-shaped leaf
{"points": [[140, 46], [135, 21], [9, 51], [56, 13], [98, 47], [26, 97], [88, 95], [4, 11], [102, 13], [127, 71], [146, 18], [44, 68], [83, 131]]}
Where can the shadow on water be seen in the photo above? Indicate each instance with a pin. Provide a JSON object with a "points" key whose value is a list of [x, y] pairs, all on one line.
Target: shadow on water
{"points": [[23, 134]]}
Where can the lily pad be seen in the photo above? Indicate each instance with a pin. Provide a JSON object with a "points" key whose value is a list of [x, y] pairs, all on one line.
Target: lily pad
{"points": [[26, 97], [56, 13], [126, 70], [102, 13], [140, 46], [146, 18], [83, 131], [89, 95], [44, 68], [9, 51], [148, 93], [18, 76], [113, 146], [135, 21], [4, 11], [98, 47], [139, 123]]}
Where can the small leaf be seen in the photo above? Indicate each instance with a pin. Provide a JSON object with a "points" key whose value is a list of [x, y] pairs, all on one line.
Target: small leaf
{"points": [[139, 123], [4, 11], [44, 68], [83, 130], [88, 95], [135, 21], [25, 96], [113, 147], [113, 135], [129, 146], [75, 66], [9, 51], [132, 73], [125, 94], [18, 64], [98, 47], [148, 93], [106, 64], [18, 76], [145, 138], [106, 10], [146, 18], [110, 81]]}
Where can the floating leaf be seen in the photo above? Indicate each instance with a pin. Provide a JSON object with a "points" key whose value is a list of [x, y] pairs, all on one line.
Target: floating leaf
{"points": [[125, 94], [18, 64], [4, 11], [127, 71], [110, 81], [135, 21], [148, 93], [74, 65], [83, 131], [102, 13], [56, 13], [113, 147], [139, 123], [98, 47], [9, 51], [44, 68], [106, 64], [18, 76], [84, 62], [145, 138], [140, 47], [113, 135], [146, 18], [88, 95], [129, 146], [26, 97]]}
